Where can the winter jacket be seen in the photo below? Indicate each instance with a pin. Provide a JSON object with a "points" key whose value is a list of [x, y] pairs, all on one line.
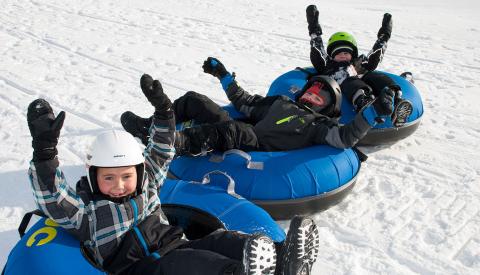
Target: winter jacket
{"points": [[101, 224], [340, 71], [282, 124]]}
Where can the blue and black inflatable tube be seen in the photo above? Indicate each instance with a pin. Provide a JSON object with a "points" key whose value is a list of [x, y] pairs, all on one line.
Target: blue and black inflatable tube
{"points": [[47, 248], [290, 83], [183, 200], [285, 183]]}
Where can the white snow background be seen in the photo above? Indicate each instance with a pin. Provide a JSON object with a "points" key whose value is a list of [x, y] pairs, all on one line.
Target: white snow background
{"points": [[415, 208]]}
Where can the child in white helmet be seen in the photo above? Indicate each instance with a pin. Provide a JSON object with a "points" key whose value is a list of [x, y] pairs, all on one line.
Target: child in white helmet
{"points": [[355, 74], [115, 210]]}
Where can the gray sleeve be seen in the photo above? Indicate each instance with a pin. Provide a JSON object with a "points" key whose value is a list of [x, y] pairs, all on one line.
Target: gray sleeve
{"points": [[346, 136]]}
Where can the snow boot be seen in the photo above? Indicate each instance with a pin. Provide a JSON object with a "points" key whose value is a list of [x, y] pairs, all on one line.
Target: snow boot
{"points": [[300, 249], [136, 126], [195, 141], [259, 256], [361, 99], [402, 110], [184, 146]]}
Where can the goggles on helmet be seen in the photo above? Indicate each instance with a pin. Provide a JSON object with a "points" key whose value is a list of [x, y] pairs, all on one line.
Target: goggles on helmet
{"points": [[316, 97]]}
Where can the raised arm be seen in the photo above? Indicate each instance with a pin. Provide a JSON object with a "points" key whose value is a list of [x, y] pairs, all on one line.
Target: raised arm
{"points": [[375, 56], [53, 196], [318, 55], [160, 148], [249, 105]]}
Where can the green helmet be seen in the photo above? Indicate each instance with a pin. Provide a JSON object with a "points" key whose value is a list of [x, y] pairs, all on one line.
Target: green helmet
{"points": [[342, 42]]}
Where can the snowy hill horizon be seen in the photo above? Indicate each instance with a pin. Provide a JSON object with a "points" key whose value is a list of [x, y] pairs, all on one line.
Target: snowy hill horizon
{"points": [[415, 208]]}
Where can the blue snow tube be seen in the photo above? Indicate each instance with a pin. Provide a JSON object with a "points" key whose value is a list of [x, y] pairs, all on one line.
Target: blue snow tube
{"points": [[199, 207], [47, 249], [285, 183], [293, 81]]}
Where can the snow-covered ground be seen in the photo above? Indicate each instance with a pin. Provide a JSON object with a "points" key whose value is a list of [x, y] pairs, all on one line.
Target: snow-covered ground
{"points": [[416, 205]]}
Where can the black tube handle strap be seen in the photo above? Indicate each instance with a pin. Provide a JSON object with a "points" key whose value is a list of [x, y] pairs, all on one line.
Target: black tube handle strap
{"points": [[26, 220], [361, 155]]}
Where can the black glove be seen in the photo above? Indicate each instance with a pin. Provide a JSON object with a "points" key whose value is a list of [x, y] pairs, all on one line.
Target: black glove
{"points": [[153, 90], [214, 67], [312, 19], [386, 30], [384, 103], [44, 128]]}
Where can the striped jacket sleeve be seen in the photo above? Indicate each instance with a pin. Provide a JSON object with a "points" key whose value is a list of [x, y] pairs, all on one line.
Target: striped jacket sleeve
{"points": [[58, 200], [160, 149]]}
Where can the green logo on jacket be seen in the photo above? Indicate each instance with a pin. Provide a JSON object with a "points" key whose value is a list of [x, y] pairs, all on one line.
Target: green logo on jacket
{"points": [[288, 119]]}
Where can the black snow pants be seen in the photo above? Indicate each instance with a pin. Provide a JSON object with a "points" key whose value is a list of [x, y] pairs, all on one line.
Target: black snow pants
{"points": [[371, 82], [220, 252], [198, 107], [216, 130]]}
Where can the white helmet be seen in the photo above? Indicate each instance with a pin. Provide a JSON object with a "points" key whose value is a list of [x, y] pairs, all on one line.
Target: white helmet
{"points": [[114, 148]]}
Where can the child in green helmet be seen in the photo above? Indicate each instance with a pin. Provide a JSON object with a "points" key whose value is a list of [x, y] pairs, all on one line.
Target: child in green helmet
{"points": [[355, 74]]}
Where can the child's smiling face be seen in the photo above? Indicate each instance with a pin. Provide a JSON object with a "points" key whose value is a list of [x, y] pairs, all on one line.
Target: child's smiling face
{"points": [[342, 56], [117, 182]]}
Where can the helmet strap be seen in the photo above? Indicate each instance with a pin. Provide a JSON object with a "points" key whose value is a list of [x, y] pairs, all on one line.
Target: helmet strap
{"points": [[140, 177], [92, 179]]}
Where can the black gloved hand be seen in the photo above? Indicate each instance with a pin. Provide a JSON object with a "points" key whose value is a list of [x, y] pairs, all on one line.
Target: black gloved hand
{"points": [[312, 19], [386, 30], [153, 90], [44, 128], [214, 67], [384, 103]]}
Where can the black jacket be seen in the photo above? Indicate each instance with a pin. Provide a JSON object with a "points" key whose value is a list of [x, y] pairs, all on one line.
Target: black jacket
{"points": [[282, 124]]}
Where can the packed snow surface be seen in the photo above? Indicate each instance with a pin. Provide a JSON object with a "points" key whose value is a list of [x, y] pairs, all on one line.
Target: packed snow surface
{"points": [[415, 208]]}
